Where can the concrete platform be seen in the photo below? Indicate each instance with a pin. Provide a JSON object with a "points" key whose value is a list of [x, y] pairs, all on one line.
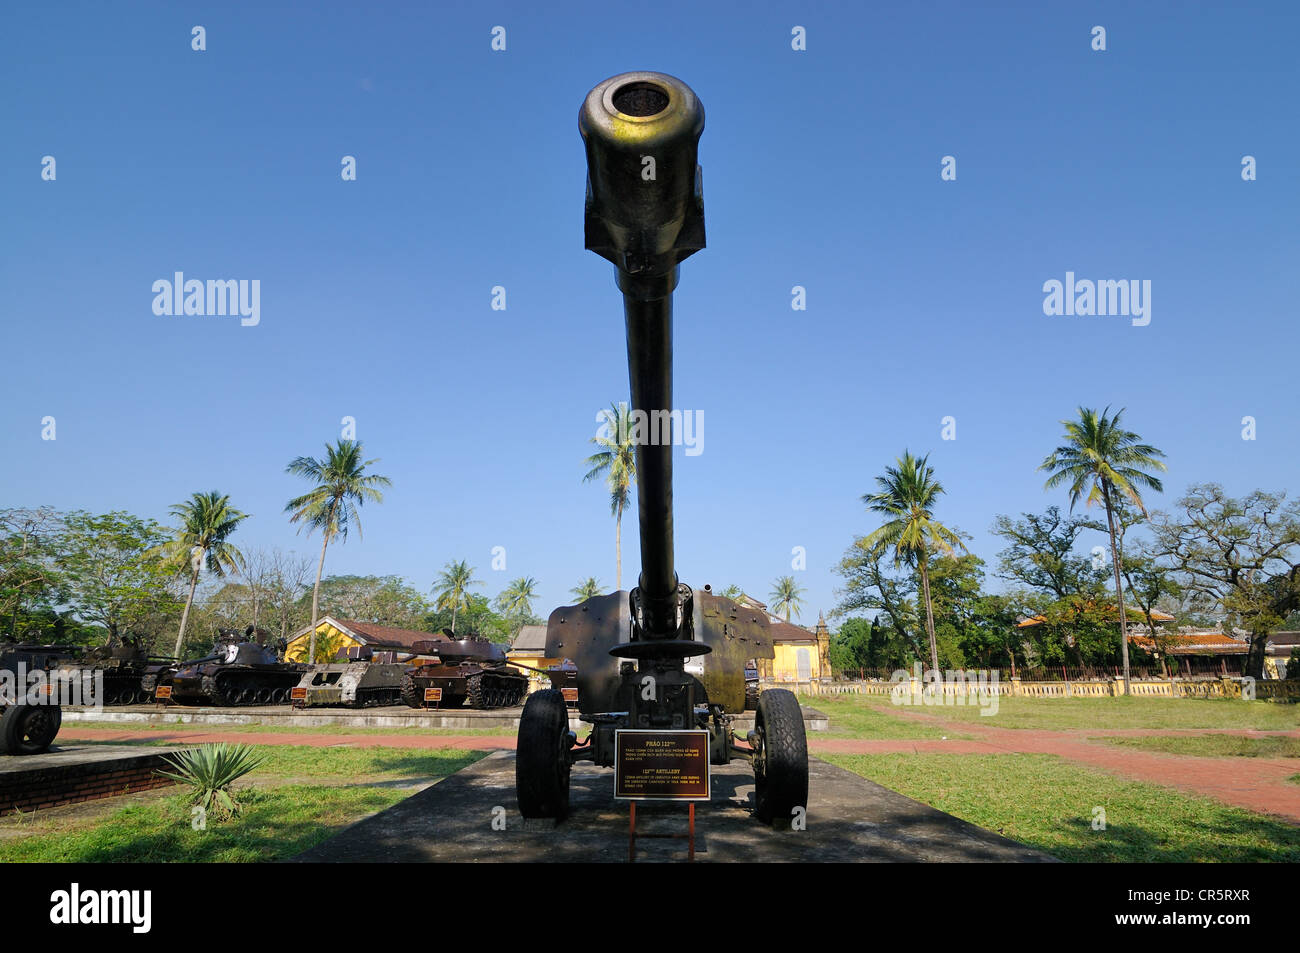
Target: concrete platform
{"points": [[399, 716], [850, 819], [69, 774]]}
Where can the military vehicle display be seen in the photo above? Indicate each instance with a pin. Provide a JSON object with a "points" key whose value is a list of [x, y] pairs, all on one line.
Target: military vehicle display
{"points": [[469, 671], [631, 648], [240, 671], [123, 663], [358, 679], [30, 716]]}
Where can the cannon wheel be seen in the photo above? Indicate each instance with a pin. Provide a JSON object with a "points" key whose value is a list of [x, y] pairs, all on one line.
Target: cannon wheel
{"points": [[29, 729], [781, 761], [542, 756]]}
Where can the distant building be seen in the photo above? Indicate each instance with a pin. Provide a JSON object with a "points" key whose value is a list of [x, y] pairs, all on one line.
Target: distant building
{"points": [[800, 654], [345, 633]]}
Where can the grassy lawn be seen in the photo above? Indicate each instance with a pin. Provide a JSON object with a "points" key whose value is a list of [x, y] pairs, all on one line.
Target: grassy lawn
{"points": [[299, 797], [1215, 746], [172, 727], [1046, 802], [1075, 713], [862, 716]]}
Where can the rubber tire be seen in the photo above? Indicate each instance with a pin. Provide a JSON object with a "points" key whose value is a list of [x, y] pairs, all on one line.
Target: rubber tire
{"points": [[781, 780], [12, 729], [541, 756]]}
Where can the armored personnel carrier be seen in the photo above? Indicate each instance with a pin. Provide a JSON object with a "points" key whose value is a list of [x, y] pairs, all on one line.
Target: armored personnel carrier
{"points": [[361, 677], [240, 671], [470, 671]]}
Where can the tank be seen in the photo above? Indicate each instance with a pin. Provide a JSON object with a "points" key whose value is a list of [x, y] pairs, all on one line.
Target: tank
{"points": [[469, 671], [30, 715], [360, 677], [240, 671], [123, 664]]}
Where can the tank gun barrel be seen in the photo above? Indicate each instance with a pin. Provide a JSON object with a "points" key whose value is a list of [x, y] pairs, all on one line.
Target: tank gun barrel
{"points": [[645, 214]]}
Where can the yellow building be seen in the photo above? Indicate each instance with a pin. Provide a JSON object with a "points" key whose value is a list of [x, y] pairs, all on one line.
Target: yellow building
{"points": [[800, 654], [334, 634]]}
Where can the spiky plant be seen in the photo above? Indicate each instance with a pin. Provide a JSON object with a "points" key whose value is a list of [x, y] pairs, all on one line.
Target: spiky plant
{"points": [[210, 770]]}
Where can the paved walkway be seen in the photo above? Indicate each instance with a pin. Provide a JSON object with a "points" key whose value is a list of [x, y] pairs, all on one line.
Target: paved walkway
{"points": [[1257, 784]]}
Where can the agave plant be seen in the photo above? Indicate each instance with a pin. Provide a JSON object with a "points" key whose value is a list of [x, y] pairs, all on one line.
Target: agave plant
{"points": [[209, 770]]}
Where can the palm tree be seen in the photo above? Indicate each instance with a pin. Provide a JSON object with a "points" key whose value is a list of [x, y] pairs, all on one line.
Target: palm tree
{"points": [[589, 588], [907, 496], [785, 596], [517, 598], [452, 587], [617, 461], [334, 503], [207, 520], [732, 592], [1100, 457]]}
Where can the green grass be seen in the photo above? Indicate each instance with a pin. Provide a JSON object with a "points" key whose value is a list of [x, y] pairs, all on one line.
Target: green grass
{"points": [[1215, 746], [299, 797], [859, 716], [287, 729], [1047, 803], [1079, 713]]}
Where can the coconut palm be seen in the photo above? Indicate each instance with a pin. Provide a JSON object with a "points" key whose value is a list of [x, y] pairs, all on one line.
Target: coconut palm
{"points": [[785, 596], [617, 461], [333, 505], [589, 588], [732, 592], [206, 521], [516, 599], [451, 589], [907, 494], [1107, 463]]}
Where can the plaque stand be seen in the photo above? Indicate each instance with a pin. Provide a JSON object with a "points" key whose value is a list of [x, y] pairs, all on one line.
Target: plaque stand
{"points": [[632, 835]]}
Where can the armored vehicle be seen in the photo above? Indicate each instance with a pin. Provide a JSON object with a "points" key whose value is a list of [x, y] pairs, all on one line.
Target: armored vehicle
{"points": [[30, 716], [122, 664], [359, 678], [645, 214], [239, 671], [469, 671]]}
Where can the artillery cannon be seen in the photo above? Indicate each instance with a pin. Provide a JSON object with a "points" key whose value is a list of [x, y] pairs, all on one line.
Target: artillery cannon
{"points": [[645, 214], [29, 719]]}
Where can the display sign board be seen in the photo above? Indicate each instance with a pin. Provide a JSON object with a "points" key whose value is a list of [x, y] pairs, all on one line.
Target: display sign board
{"points": [[570, 695], [433, 694], [661, 765], [298, 693], [164, 691]]}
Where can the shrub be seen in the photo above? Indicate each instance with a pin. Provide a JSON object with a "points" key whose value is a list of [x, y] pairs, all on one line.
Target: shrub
{"points": [[209, 770]]}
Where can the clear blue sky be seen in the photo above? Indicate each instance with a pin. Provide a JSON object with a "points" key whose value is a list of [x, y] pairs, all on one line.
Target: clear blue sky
{"points": [[821, 169]]}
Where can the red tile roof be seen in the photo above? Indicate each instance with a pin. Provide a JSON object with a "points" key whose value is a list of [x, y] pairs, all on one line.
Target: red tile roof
{"points": [[1195, 643], [371, 633]]}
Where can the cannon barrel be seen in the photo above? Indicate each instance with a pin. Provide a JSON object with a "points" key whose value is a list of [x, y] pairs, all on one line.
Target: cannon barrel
{"points": [[645, 214]]}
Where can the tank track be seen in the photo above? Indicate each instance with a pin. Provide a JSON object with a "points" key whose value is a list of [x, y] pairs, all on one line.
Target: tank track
{"points": [[242, 689], [495, 690], [408, 693]]}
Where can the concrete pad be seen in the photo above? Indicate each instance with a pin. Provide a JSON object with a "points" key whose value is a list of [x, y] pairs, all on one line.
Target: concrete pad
{"points": [[392, 717], [849, 819], [69, 774]]}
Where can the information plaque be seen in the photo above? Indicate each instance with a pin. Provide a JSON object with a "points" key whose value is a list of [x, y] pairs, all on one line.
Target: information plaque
{"points": [[661, 765]]}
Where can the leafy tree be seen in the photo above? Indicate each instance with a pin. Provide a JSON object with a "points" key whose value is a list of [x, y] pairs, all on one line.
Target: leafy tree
{"points": [[732, 592], [616, 460], [906, 496], [1102, 460], [1042, 553], [1242, 554], [866, 644], [207, 521], [383, 600], [114, 572], [30, 586], [785, 596], [334, 503], [589, 588], [1149, 584], [452, 586], [868, 586]]}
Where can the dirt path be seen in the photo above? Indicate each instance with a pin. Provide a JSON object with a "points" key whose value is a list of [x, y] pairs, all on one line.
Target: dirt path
{"points": [[128, 736]]}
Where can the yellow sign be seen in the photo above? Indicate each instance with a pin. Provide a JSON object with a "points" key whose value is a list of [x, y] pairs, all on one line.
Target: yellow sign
{"points": [[433, 694], [164, 691]]}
